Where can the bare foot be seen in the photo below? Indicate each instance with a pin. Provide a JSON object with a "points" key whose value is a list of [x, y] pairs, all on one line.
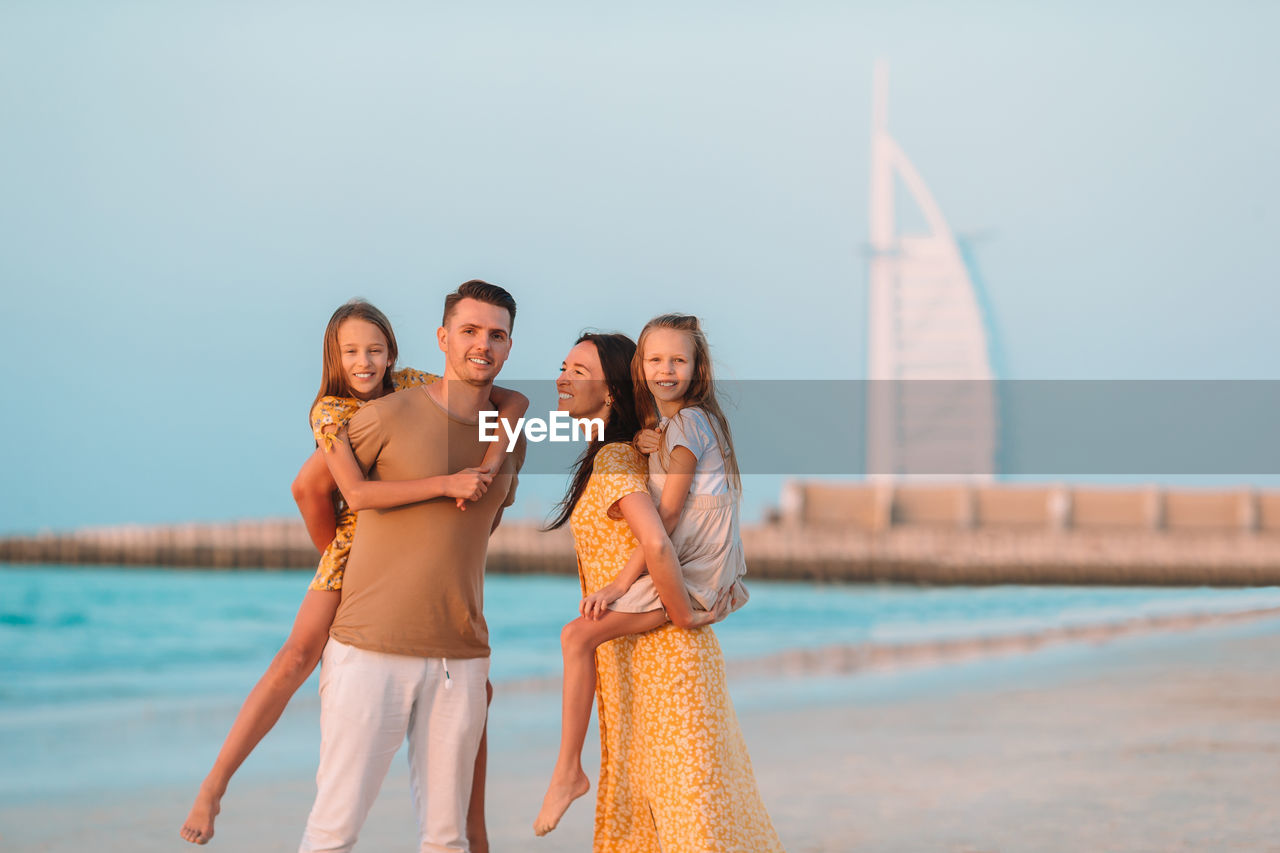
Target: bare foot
{"points": [[198, 828], [556, 802]]}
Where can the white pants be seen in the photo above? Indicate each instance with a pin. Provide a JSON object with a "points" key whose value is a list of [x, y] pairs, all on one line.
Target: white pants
{"points": [[369, 703]]}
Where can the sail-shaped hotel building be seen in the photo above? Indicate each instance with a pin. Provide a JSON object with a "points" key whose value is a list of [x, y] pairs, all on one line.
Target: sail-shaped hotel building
{"points": [[931, 404]]}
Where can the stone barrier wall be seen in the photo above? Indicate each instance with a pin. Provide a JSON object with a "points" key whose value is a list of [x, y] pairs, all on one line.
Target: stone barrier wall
{"points": [[876, 507], [978, 536]]}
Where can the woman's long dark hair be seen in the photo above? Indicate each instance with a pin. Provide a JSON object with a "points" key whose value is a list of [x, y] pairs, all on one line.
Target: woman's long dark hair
{"points": [[615, 351]]}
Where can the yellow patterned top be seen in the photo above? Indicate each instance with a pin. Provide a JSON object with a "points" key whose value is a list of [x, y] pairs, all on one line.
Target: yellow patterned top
{"points": [[674, 770], [338, 411]]}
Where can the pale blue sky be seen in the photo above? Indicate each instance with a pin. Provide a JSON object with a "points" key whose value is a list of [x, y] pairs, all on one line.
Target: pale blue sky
{"points": [[188, 190]]}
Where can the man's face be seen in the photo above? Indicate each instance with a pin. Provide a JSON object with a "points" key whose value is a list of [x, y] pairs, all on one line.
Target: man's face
{"points": [[476, 341]]}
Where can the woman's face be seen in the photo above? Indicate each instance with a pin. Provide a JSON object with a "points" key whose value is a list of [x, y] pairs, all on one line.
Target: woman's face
{"points": [[581, 386], [365, 354]]}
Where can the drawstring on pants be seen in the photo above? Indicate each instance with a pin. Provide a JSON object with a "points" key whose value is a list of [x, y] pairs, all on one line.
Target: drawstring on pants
{"points": [[448, 682]]}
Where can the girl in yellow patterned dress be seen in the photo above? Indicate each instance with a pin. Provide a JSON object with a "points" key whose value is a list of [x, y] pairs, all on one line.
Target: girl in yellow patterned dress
{"points": [[674, 769], [359, 365]]}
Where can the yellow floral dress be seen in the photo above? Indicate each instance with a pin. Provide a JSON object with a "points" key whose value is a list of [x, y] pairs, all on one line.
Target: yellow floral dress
{"points": [[338, 410], [674, 771]]}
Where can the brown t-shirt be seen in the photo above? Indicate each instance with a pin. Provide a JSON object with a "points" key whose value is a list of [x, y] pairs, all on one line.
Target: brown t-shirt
{"points": [[414, 583]]}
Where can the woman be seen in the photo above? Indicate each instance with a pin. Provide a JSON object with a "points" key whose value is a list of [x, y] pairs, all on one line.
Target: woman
{"points": [[674, 774]]}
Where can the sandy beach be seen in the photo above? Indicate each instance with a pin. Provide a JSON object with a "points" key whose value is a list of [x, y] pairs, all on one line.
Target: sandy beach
{"points": [[1155, 741]]}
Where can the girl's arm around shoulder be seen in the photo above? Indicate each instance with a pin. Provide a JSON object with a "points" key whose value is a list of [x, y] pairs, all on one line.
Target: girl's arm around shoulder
{"points": [[362, 493], [512, 406], [685, 439], [676, 488]]}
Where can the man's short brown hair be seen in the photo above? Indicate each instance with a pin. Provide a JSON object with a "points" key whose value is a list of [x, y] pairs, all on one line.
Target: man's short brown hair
{"points": [[481, 291]]}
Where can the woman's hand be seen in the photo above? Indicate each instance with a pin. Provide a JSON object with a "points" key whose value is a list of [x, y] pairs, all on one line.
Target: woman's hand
{"points": [[469, 484], [595, 604], [647, 441], [702, 618]]}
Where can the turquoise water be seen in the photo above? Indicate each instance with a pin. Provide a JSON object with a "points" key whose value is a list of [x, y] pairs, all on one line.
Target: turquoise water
{"points": [[118, 676], [102, 635]]}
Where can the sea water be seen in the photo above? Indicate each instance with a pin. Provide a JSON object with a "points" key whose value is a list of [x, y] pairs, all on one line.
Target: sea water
{"points": [[114, 676]]}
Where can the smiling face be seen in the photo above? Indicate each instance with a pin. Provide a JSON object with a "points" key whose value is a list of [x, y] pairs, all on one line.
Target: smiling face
{"points": [[581, 385], [668, 367], [365, 356], [476, 341]]}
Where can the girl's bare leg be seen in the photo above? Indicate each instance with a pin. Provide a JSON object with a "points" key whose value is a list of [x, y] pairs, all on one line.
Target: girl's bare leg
{"points": [[477, 832], [579, 641], [291, 666]]}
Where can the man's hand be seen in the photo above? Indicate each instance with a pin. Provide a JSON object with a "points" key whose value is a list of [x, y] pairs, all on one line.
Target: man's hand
{"points": [[469, 484], [595, 604], [648, 440]]}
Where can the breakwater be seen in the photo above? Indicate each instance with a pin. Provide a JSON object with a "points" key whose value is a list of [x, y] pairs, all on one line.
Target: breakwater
{"points": [[256, 544], [781, 550]]}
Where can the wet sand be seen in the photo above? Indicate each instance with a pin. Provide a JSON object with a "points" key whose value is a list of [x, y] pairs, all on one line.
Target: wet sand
{"points": [[1158, 741]]}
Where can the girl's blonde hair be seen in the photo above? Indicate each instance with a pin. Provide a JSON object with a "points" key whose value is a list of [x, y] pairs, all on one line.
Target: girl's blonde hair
{"points": [[701, 392], [333, 379]]}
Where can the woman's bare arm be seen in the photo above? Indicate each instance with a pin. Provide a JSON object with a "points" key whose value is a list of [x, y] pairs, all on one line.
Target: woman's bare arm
{"points": [[674, 493], [660, 557], [313, 493]]}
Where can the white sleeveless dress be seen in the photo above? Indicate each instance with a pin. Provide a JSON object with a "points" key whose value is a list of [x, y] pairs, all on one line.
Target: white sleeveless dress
{"points": [[707, 540]]}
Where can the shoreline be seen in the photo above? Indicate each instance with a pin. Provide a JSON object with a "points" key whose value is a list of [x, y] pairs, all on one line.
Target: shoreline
{"points": [[1138, 740], [847, 659]]}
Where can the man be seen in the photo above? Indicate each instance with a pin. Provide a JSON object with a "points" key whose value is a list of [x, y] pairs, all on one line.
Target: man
{"points": [[408, 654]]}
